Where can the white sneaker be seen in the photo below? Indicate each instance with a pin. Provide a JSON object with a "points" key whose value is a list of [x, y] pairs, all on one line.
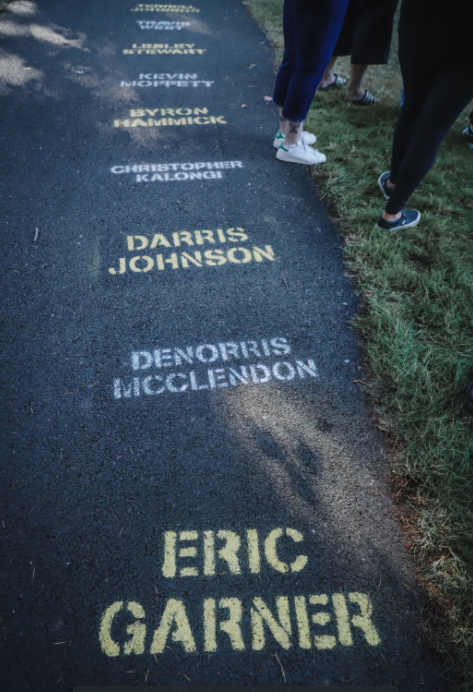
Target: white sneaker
{"points": [[308, 138], [301, 153]]}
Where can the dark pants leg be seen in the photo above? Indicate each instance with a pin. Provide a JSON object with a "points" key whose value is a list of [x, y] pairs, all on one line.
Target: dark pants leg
{"points": [[367, 31], [311, 28], [419, 87], [286, 68], [435, 95]]}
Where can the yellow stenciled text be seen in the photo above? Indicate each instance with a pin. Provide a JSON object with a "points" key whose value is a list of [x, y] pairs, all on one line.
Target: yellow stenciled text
{"points": [[169, 117], [200, 248], [315, 621]]}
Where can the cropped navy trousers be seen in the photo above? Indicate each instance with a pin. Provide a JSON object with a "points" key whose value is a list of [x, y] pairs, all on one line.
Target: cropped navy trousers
{"points": [[311, 29]]}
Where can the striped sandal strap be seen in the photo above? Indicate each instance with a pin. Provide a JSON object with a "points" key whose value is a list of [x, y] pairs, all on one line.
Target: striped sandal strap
{"points": [[338, 81], [367, 99]]}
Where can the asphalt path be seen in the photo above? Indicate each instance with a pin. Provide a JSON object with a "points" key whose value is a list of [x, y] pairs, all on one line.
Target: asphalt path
{"points": [[193, 491]]}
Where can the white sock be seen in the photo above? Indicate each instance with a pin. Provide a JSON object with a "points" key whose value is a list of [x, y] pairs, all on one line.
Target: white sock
{"points": [[289, 146]]}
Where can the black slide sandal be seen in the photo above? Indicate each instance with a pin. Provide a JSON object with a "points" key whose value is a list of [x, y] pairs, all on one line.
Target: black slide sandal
{"points": [[338, 81], [367, 100]]}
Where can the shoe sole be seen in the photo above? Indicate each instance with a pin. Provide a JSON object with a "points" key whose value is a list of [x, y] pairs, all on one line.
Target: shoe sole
{"points": [[302, 163], [413, 224], [380, 185]]}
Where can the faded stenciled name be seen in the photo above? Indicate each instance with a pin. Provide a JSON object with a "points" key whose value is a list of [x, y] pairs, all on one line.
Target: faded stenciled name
{"points": [[234, 363]]}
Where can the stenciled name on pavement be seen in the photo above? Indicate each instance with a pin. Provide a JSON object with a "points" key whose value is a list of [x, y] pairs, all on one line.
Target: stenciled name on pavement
{"points": [[167, 80], [220, 247], [177, 172], [163, 25], [320, 621], [169, 117], [155, 7], [184, 369], [164, 49]]}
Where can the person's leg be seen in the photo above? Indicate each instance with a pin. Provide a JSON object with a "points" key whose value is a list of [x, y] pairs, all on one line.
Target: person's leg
{"points": [[408, 119], [329, 75], [371, 42], [355, 91], [317, 24], [449, 96], [419, 79], [285, 71], [282, 123], [343, 44], [284, 76]]}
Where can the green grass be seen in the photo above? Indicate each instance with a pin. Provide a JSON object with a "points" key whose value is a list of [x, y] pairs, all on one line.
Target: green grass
{"points": [[416, 327]]}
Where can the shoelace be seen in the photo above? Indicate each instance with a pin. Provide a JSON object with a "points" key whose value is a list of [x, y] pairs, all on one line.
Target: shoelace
{"points": [[304, 145]]}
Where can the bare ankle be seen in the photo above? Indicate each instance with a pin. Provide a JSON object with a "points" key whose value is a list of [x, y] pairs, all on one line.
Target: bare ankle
{"points": [[355, 93], [294, 132], [328, 78], [392, 217]]}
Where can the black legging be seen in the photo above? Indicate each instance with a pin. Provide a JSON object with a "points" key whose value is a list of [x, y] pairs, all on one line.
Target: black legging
{"points": [[435, 94]]}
